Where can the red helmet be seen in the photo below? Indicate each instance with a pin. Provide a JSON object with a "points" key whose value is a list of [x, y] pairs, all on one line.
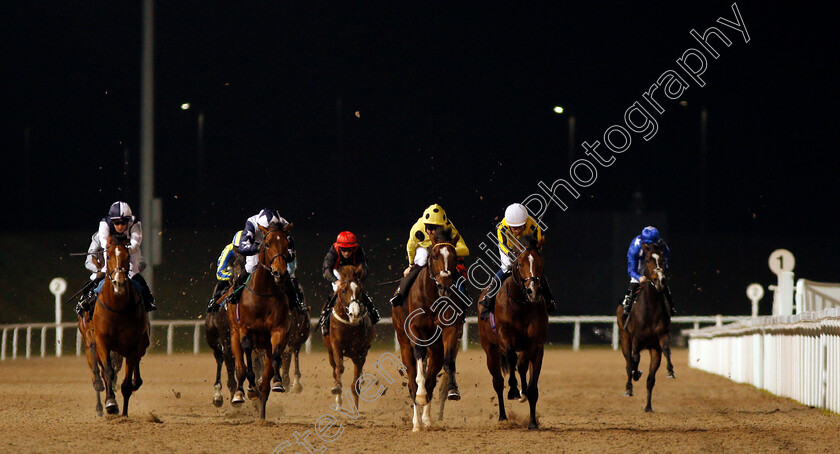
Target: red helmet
{"points": [[346, 240]]}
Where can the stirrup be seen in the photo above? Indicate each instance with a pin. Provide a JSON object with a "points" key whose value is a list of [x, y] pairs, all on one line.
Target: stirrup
{"points": [[396, 300]]}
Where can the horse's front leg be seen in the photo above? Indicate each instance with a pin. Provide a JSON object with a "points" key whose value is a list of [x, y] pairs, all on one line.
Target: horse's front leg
{"points": [[358, 366], [451, 336], [655, 360], [522, 368], [297, 388], [536, 357], [219, 355], [665, 344], [236, 347], [494, 364], [287, 364], [277, 357], [127, 386], [248, 351], [510, 359], [104, 359], [434, 364]]}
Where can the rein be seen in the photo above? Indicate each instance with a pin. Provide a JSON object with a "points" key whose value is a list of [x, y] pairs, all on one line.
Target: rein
{"points": [[354, 299], [267, 268]]}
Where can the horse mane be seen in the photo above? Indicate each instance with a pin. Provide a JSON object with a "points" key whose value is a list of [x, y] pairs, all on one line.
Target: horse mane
{"points": [[442, 235]]}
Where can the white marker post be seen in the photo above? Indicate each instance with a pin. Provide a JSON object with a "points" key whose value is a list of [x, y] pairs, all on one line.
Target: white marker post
{"points": [[781, 263], [755, 292], [58, 286]]}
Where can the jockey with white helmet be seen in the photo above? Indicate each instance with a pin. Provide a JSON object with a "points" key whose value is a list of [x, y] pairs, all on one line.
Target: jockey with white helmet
{"points": [[636, 266], [516, 225], [122, 224], [250, 247]]}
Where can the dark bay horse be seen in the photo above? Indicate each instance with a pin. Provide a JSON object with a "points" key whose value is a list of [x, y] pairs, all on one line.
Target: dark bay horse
{"points": [[120, 324], [648, 325], [217, 333], [261, 319], [351, 331], [299, 329], [521, 327], [429, 326]]}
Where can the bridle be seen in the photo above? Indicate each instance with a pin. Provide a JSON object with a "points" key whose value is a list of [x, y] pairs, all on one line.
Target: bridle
{"points": [[284, 254], [432, 273], [523, 283], [112, 274], [353, 299], [659, 280]]}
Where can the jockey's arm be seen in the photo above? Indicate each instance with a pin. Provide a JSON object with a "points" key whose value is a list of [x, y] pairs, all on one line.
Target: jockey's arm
{"points": [[136, 238], [461, 248], [415, 237], [329, 265], [223, 272], [93, 250], [248, 245], [633, 259]]}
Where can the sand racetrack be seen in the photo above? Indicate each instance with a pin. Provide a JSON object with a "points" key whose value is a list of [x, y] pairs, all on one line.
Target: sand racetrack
{"points": [[47, 405]]}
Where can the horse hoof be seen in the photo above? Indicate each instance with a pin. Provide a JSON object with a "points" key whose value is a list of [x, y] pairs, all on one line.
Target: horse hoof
{"points": [[98, 386], [648, 410], [453, 395], [533, 426], [628, 393], [278, 387], [523, 398], [637, 375], [297, 389], [335, 390], [671, 375], [218, 401], [111, 406], [514, 394], [238, 398], [416, 429]]}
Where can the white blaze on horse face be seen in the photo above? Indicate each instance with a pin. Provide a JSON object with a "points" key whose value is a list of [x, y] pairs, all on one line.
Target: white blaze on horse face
{"points": [[445, 253], [531, 260], [353, 309]]}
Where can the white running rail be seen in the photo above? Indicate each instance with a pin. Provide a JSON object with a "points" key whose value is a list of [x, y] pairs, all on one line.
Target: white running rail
{"points": [[385, 323], [795, 356]]}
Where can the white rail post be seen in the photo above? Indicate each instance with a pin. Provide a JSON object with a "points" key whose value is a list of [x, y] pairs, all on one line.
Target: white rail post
{"points": [[14, 342], [576, 339], [78, 343], [28, 341], [615, 336], [195, 338], [3, 350], [57, 287], [170, 331], [718, 320], [43, 341], [464, 336]]}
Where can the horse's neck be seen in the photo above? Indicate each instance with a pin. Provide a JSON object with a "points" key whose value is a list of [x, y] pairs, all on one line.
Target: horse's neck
{"points": [[262, 281], [652, 298]]}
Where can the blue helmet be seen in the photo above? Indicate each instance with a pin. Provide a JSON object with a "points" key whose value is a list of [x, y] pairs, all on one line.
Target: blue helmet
{"points": [[650, 235]]}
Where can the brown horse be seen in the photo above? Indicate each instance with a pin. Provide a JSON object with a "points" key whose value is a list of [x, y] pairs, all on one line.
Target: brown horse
{"points": [[217, 333], [648, 325], [351, 332], [299, 329], [261, 319], [429, 326], [521, 327], [120, 324]]}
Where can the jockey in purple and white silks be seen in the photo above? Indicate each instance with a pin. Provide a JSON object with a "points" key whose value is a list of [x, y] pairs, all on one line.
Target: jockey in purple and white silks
{"points": [[636, 266], [122, 224], [252, 239]]}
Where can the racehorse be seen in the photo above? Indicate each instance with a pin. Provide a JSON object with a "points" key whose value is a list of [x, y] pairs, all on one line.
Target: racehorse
{"points": [[429, 325], [299, 328], [351, 332], [217, 333], [648, 325], [521, 327], [261, 319], [120, 324]]}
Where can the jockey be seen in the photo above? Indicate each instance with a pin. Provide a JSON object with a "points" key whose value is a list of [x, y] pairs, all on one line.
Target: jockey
{"points": [[250, 247], [224, 270], [95, 254], [120, 223], [419, 240], [636, 267], [345, 251], [515, 226]]}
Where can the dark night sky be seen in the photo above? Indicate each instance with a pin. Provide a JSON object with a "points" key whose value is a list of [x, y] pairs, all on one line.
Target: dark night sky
{"points": [[455, 105]]}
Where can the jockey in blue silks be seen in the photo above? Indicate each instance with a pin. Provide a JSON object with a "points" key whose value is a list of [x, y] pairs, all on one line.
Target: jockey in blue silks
{"points": [[636, 266]]}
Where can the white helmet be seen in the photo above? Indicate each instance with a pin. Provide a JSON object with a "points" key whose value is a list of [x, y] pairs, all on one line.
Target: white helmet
{"points": [[516, 215], [119, 210]]}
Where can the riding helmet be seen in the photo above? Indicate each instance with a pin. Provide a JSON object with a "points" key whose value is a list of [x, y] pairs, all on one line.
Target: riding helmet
{"points": [[650, 235], [516, 215], [435, 215], [346, 240], [119, 210]]}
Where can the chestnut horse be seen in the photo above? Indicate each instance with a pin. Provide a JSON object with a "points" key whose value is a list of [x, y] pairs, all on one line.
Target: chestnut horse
{"points": [[261, 319], [648, 325], [121, 325], [521, 327], [351, 332], [217, 333], [429, 326]]}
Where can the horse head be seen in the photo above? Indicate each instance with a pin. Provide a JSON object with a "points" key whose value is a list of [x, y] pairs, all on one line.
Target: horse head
{"points": [[118, 264], [654, 265], [529, 269], [274, 254], [349, 292], [443, 260]]}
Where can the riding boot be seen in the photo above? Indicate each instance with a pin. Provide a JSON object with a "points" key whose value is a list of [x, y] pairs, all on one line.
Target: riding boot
{"points": [[550, 305], [371, 308], [145, 293], [405, 285], [629, 298], [488, 304], [218, 290], [295, 294], [324, 320], [670, 300], [238, 287]]}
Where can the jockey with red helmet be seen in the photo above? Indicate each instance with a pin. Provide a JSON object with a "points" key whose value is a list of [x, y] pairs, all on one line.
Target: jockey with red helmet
{"points": [[345, 251], [636, 266]]}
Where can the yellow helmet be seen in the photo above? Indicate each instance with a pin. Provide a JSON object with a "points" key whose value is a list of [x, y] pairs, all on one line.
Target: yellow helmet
{"points": [[435, 215]]}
